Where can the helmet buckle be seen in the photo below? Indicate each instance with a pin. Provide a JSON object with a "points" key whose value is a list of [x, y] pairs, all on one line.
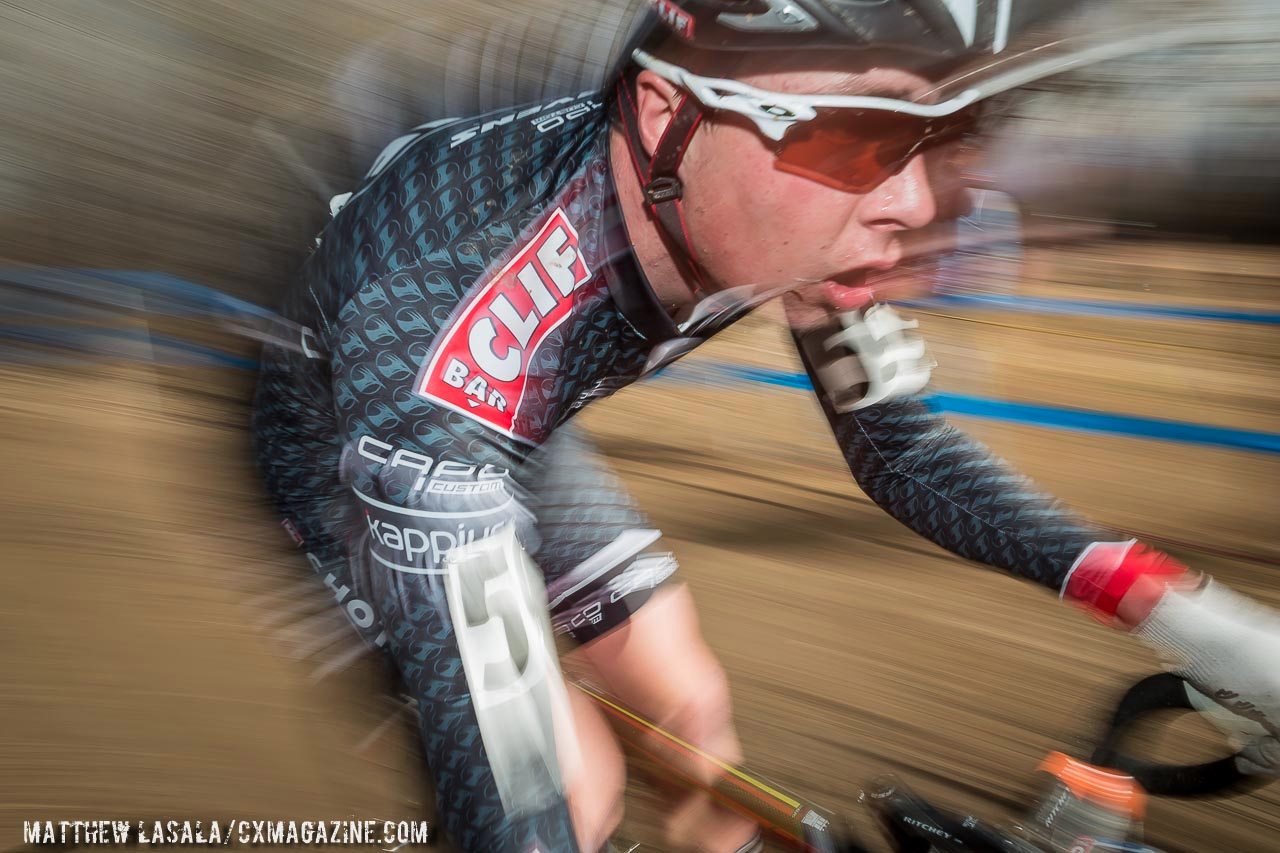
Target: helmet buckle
{"points": [[663, 189]]}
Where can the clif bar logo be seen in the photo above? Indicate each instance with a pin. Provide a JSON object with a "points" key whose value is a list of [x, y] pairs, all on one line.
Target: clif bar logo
{"points": [[680, 21], [481, 363]]}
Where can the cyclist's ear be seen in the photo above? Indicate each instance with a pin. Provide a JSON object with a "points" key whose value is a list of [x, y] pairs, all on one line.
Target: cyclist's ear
{"points": [[656, 102]]}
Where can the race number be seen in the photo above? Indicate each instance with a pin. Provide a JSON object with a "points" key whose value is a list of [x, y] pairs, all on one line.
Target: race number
{"points": [[499, 612]]}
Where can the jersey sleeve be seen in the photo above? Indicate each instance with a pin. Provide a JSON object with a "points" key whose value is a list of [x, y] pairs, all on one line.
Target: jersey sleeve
{"points": [[423, 480], [600, 555], [952, 490]]}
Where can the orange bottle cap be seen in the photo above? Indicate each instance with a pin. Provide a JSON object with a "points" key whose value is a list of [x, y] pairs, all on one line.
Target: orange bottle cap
{"points": [[1110, 789]]}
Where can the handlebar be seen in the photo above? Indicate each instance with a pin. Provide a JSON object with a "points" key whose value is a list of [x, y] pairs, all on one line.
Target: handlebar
{"points": [[917, 826], [1166, 691]]}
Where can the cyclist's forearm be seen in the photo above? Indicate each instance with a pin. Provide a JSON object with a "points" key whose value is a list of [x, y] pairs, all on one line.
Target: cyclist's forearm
{"points": [[952, 490], [927, 474]]}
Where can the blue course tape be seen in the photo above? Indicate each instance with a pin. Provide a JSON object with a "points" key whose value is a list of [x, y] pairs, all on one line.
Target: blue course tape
{"points": [[82, 339], [202, 298], [165, 285], [1037, 305], [1104, 422], [1045, 416], [206, 299], [958, 404], [159, 291]]}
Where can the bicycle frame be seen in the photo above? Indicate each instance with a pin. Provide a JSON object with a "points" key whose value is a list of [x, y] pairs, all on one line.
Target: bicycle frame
{"points": [[911, 823], [793, 821]]}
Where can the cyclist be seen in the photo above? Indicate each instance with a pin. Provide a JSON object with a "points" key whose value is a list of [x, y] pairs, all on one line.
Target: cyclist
{"points": [[492, 275]]}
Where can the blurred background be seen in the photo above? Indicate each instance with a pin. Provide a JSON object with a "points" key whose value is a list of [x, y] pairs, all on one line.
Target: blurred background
{"points": [[164, 652]]}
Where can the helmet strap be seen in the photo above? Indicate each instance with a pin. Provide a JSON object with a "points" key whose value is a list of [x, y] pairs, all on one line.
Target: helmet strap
{"points": [[663, 191]]}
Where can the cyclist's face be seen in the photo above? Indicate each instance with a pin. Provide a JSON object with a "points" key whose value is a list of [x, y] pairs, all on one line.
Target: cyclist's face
{"points": [[753, 222]]}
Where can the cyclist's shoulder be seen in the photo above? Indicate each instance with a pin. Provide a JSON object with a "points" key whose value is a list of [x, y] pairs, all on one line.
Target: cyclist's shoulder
{"points": [[455, 163], [452, 188]]}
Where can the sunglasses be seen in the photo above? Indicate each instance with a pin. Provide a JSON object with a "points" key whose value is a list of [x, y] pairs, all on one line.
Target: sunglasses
{"points": [[850, 142], [856, 150]]}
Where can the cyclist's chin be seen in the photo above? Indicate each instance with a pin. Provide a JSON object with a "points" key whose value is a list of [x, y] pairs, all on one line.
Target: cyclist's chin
{"points": [[813, 305], [806, 320]]}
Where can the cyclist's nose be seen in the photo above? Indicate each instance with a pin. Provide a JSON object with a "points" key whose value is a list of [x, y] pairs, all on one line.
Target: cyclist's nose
{"points": [[904, 201]]}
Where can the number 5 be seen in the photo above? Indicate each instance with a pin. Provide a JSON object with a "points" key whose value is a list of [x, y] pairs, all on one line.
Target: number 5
{"points": [[498, 606]]}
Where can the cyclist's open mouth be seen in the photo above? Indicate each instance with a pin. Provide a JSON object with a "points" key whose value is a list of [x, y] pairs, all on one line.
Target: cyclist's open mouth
{"points": [[811, 304], [847, 297]]}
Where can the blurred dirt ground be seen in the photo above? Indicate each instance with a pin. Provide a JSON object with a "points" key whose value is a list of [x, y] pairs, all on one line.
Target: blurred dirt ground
{"points": [[165, 653], [165, 650]]}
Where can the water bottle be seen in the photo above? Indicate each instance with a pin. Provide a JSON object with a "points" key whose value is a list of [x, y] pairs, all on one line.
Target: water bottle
{"points": [[1086, 809]]}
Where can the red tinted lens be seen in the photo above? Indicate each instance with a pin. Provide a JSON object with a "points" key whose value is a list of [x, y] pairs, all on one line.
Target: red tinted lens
{"points": [[856, 150]]}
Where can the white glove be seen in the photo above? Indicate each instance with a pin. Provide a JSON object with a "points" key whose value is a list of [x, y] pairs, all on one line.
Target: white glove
{"points": [[1228, 647]]}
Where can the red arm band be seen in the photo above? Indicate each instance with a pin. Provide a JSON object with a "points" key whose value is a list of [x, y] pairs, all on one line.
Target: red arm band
{"points": [[1107, 571]]}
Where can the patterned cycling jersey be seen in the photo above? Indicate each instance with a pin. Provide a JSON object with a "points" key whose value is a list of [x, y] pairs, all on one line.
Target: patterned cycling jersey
{"points": [[457, 310], [475, 292]]}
